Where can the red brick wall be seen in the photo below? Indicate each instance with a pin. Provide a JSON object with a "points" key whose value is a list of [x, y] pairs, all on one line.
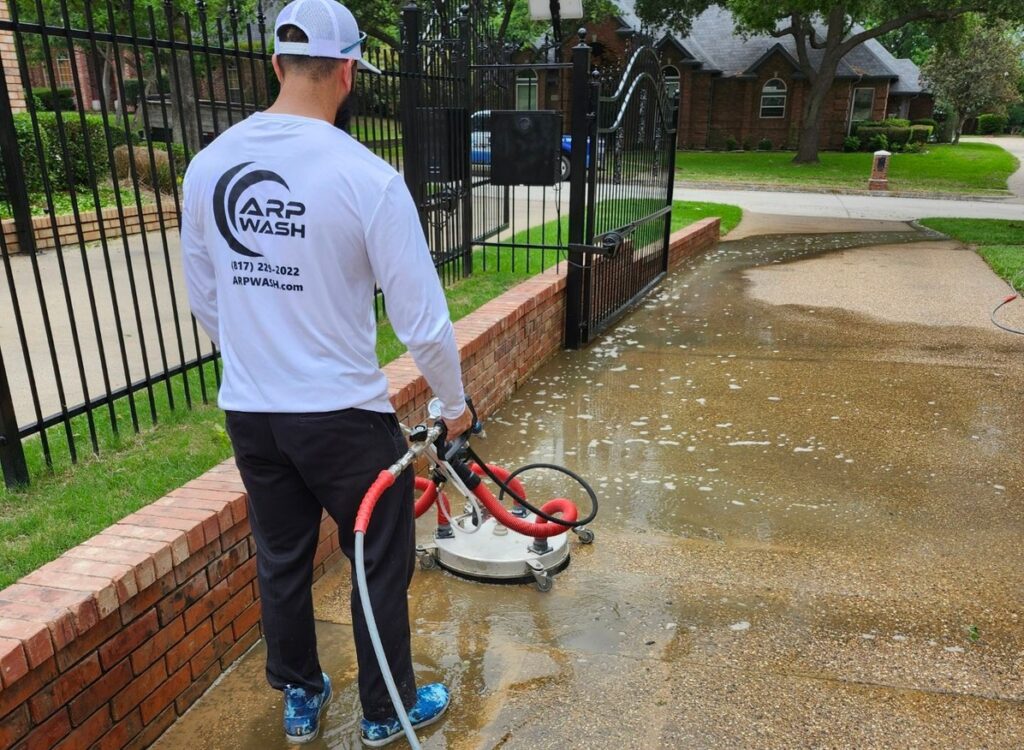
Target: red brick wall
{"points": [[67, 230], [737, 111], [115, 639], [9, 61], [922, 106]]}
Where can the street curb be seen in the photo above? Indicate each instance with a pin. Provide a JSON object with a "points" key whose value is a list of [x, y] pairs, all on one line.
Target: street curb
{"points": [[768, 188]]}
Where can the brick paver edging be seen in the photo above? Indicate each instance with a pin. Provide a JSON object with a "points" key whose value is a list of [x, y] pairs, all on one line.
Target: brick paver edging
{"points": [[111, 642], [67, 229]]}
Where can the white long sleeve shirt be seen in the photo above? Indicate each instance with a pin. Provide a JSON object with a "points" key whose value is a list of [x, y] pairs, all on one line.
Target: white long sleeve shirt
{"points": [[287, 225]]}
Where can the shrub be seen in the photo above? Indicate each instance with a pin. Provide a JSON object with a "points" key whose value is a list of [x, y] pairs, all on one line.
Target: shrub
{"points": [[914, 147], [30, 158], [992, 124], [56, 100], [898, 134], [1016, 117], [123, 157], [731, 144], [920, 133], [851, 143], [878, 142], [80, 151], [749, 143], [895, 122], [765, 144], [133, 89], [894, 135], [856, 125], [926, 121]]}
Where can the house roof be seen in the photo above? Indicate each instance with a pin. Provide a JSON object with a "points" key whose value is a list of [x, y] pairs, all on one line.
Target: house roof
{"points": [[713, 42]]}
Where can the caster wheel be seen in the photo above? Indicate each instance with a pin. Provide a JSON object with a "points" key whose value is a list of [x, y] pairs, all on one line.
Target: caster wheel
{"points": [[544, 583], [426, 558], [586, 536]]}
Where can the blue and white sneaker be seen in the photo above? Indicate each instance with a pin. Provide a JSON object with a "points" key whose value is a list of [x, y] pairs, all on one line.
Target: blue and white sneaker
{"points": [[302, 710], [431, 702]]}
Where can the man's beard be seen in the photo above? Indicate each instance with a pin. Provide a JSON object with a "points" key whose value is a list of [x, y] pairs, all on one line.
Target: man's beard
{"points": [[343, 117]]}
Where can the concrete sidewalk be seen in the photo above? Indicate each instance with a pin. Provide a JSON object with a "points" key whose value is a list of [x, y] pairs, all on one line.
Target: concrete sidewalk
{"points": [[809, 532], [1015, 145], [830, 205]]}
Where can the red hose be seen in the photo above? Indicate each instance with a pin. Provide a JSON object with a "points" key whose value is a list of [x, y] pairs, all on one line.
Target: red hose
{"points": [[384, 480], [429, 490], [538, 528], [503, 474]]}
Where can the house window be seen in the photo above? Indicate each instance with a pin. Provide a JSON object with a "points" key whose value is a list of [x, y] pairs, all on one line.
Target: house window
{"points": [[863, 104], [773, 99], [234, 86], [671, 75], [65, 78], [526, 90]]}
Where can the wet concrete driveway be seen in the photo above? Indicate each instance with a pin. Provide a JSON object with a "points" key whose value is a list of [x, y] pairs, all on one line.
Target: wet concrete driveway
{"points": [[810, 536]]}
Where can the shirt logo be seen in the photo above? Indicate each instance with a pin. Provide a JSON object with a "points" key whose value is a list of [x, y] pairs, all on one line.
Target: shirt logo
{"points": [[259, 215]]}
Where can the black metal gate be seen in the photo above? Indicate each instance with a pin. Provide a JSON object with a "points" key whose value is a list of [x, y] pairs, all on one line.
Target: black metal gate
{"points": [[619, 244], [102, 105]]}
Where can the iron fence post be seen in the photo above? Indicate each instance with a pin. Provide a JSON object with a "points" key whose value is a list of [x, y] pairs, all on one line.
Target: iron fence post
{"points": [[575, 314], [12, 455], [673, 139], [466, 189], [410, 81], [14, 175]]}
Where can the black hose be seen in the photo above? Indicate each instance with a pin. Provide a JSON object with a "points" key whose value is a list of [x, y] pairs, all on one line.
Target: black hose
{"points": [[505, 489], [997, 324]]}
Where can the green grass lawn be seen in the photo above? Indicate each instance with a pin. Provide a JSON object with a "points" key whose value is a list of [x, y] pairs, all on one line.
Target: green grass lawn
{"points": [[86, 202], [999, 241], [969, 168], [72, 502]]}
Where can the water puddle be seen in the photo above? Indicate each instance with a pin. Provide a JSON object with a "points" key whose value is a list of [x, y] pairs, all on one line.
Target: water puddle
{"points": [[800, 507]]}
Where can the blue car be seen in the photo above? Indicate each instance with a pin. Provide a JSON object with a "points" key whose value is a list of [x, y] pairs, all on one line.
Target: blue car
{"points": [[480, 144]]}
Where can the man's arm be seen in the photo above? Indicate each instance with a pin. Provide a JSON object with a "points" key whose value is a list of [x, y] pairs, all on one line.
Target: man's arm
{"points": [[417, 308], [200, 277]]}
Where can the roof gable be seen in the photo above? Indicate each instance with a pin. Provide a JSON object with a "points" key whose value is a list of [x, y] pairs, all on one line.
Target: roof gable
{"points": [[713, 42]]}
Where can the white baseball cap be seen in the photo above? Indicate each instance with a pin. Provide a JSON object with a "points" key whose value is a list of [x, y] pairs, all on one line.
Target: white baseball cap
{"points": [[330, 27]]}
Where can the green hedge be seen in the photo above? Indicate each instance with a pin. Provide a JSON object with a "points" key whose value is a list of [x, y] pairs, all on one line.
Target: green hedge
{"points": [[79, 156], [920, 133], [895, 136], [56, 100], [992, 124], [30, 158], [1017, 116]]}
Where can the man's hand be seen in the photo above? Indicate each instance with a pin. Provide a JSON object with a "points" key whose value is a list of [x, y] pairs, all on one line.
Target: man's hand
{"points": [[459, 425]]}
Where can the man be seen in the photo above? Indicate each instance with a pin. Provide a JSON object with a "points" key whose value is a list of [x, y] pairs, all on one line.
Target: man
{"points": [[288, 223]]}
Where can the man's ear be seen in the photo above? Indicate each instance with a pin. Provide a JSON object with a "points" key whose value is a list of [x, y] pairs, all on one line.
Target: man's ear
{"points": [[347, 75], [278, 70]]}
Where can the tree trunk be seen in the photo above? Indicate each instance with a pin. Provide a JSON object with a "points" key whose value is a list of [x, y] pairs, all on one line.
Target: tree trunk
{"points": [[106, 81], [958, 126], [810, 127], [183, 102]]}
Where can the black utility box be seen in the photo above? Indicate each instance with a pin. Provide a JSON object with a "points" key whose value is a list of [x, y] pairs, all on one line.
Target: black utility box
{"points": [[526, 147], [442, 135]]}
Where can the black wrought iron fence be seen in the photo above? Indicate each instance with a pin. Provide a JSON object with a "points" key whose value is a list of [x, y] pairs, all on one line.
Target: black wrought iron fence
{"points": [[95, 332], [102, 106]]}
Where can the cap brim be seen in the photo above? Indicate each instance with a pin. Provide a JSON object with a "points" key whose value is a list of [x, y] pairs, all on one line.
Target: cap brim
{"points": [[363, 65]]}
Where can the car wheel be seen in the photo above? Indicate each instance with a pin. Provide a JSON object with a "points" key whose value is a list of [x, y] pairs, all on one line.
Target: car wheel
{"points": [[564, 168]]}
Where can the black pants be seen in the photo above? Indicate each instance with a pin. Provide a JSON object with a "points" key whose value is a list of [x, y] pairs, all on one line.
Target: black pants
{"points": [[294, 466]]}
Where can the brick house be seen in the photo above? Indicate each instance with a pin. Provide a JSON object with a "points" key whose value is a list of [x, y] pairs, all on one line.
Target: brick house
{"points": [[748, 88]]}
